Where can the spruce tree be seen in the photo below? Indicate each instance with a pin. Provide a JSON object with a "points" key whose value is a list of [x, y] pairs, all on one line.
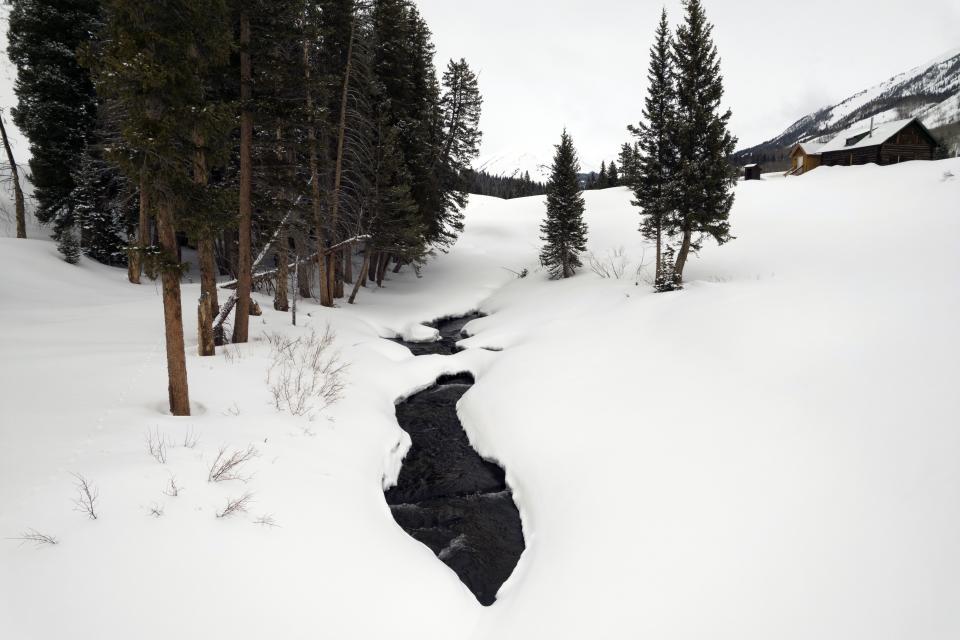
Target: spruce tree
{"points": [[69, 245], [57, 105], [104, 208], [564, 232], [613, 175], [602, 177], [705, 177], [460, 105], [156, 65], [655, 168]]}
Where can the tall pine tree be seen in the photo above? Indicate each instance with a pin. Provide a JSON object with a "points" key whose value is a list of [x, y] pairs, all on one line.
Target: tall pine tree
{"points": [[654, 181], [705, 176], [564, 232], [57, 104], [156, 66]]}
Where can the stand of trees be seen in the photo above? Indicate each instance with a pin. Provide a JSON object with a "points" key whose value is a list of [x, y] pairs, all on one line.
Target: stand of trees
{"points": [[314, 135], [482, 183], [680, 169]]}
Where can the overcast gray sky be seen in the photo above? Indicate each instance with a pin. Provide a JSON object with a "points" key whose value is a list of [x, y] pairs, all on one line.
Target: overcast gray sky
{"points": [[546, 64]]}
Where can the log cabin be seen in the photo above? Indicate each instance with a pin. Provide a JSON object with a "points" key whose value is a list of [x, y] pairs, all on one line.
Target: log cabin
{"points": [[804, 157], [884, 144]]}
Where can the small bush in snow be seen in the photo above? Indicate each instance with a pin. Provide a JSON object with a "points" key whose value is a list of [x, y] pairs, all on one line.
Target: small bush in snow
{"points": [[612, 266], [172, 489], [157, 446], [236, 506], [230, 467], [306, 376], [190, 439], [37, 538], [266, 521], [86, 501]]}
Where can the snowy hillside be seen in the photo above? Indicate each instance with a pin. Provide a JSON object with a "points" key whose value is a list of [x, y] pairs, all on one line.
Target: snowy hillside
{"points": [[513, 164], [770, 453], [930, 92]]}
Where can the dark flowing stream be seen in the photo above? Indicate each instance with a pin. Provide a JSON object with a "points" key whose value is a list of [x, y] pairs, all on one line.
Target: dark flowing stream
{"points": [[448, 497]]}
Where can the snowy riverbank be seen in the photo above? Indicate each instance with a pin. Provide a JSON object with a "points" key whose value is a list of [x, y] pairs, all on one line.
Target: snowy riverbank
{"points": [[769, 453]]}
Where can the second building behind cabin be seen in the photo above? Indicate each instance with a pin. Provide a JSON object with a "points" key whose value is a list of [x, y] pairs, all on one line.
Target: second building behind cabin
{"points": [[884, 144]]}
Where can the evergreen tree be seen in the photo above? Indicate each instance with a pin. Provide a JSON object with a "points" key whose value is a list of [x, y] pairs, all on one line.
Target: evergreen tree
{"points": [[705, 176], [460, 106], [564, 232], [104, 208], [613, 175], [69, 245], [157, 63], [57, 104], [653, 183], [602, 178]]}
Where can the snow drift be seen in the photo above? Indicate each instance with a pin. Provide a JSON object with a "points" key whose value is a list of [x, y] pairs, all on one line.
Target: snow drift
{"points": [[770, 453]]}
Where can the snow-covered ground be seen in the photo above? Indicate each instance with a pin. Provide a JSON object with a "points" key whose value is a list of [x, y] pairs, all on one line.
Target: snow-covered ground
{"points": [[771, 453]]}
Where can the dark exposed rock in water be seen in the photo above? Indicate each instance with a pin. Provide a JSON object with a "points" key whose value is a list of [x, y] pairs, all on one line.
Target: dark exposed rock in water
{"points": [[447, 496]]}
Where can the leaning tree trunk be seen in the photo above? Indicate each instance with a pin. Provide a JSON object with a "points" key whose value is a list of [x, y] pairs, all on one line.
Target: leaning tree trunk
{"points": [[682, 255], [241, 323], [362, 280], [336, 273], [178, 391], [17, 191]]}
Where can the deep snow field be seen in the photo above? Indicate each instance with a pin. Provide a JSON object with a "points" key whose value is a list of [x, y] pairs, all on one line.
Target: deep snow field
{"points": [[773, 452]]}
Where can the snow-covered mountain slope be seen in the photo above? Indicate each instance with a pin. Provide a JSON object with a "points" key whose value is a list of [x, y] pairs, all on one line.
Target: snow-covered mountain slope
{"points": [[514, 164], [930, 92], [771, 453]]}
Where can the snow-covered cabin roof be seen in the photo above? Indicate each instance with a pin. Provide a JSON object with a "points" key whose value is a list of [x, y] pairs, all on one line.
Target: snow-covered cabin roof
{"points": [[860, 136], [810, 148]]}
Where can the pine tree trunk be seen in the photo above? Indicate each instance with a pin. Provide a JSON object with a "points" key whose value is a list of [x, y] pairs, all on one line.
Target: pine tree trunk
{"points": [[348, 263], [373, 267], [178, 390], [659, 268], [206, 344], [322, 263], [382, 268], [303, 280], [21, 212], [208, 266], [365, 269], [398, 266], [135, 266], [683, 255], [362, 280], [241, 324], [208, 296], [336, 269], [281, 301]]}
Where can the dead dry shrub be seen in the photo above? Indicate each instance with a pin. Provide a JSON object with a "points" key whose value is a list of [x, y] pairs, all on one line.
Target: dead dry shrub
{"points": [[306, 375]]}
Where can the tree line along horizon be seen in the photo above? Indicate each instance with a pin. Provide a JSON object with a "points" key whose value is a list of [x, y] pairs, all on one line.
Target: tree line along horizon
{"points": [[319, 133]]}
